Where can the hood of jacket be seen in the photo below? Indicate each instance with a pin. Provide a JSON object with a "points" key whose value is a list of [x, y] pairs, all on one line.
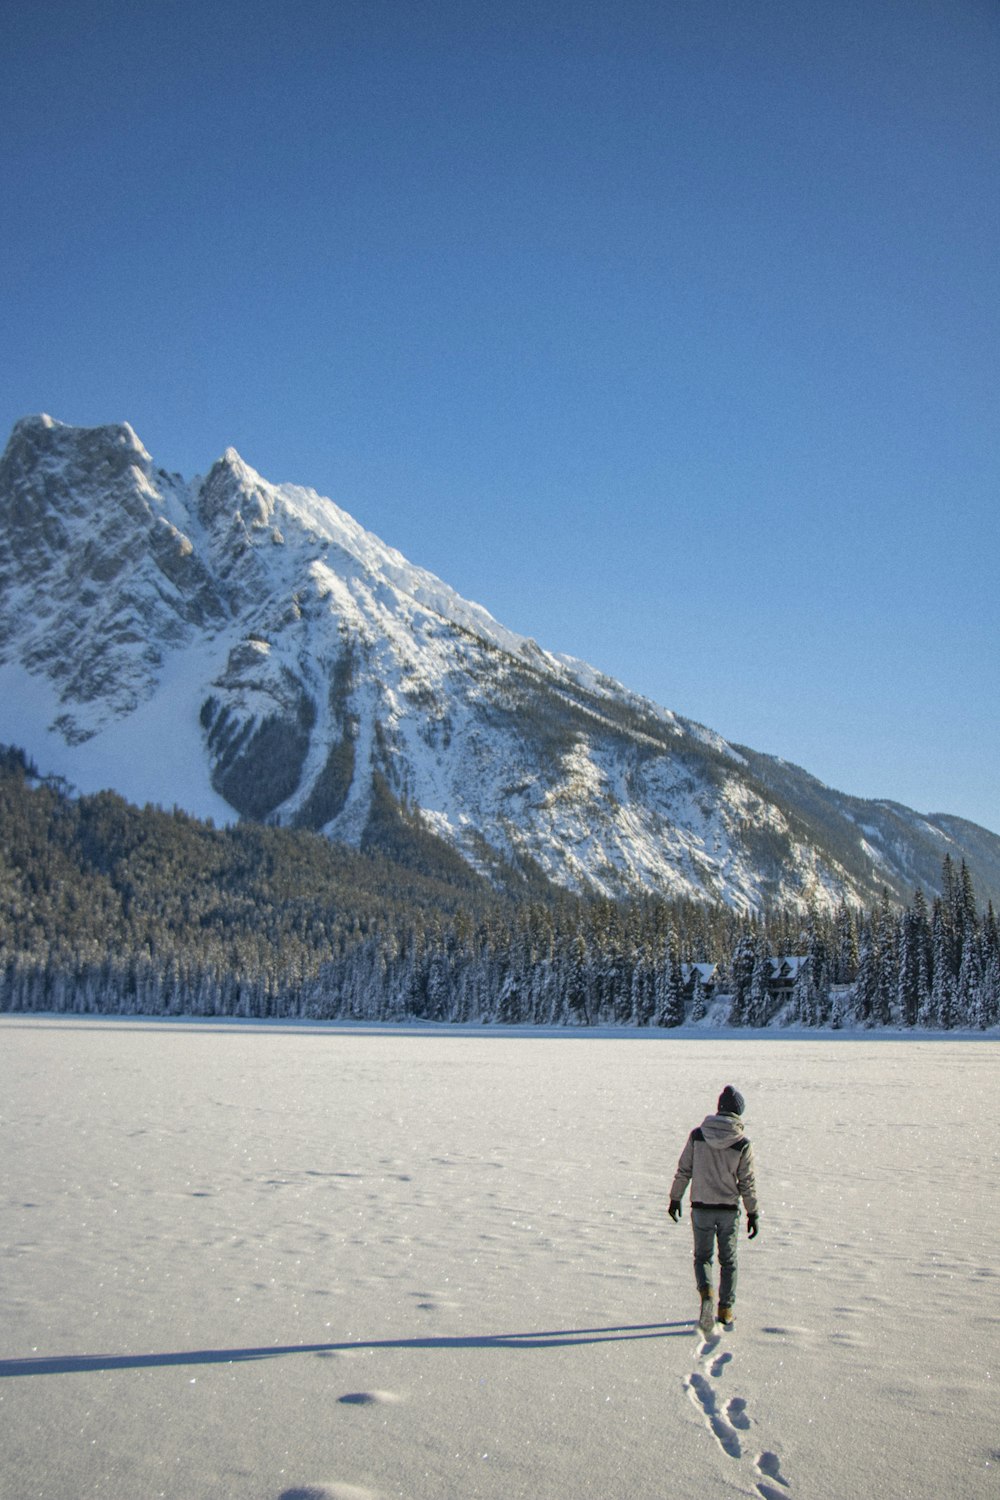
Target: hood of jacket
{"points": [[722, 1130]]}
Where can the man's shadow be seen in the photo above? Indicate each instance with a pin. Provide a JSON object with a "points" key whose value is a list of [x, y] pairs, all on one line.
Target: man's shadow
{"points": [[81, 1364]]}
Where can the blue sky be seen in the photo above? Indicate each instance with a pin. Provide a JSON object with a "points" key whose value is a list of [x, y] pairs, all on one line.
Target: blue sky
{"points": [[669, 332]]}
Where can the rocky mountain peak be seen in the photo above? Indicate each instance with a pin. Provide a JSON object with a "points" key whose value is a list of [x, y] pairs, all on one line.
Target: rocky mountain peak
{"points": [[43, 437], [237, 647], [234, 496]]}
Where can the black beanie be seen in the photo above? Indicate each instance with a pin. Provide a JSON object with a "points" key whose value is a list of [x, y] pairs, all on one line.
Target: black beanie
{"points": [[731, 1101]]}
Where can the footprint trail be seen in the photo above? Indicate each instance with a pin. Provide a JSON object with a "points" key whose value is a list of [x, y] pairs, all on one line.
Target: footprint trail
{"points": [[730, 1422]]}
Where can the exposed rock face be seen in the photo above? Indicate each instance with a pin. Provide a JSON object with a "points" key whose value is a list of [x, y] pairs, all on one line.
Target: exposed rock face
{"points": [[257, 725], [310, 670], [98, 582]]}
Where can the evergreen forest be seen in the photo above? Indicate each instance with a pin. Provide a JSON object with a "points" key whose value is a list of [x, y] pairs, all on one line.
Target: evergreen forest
{"points": [[107, 908]]}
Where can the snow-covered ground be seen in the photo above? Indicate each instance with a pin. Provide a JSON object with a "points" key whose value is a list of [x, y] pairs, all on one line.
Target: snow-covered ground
{"points": [[249, 1261]]}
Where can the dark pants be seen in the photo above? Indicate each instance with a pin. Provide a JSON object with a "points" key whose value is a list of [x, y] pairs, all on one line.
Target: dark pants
{"points": [[711, 1224]]}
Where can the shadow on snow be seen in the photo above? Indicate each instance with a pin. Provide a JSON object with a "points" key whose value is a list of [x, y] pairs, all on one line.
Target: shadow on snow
{"points": [[80, 1364]]}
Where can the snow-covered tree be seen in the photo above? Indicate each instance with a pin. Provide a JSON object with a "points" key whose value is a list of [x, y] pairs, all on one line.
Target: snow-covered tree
{"points": [[670, 988], [698, 1005], [742, 969], [866, 983]]}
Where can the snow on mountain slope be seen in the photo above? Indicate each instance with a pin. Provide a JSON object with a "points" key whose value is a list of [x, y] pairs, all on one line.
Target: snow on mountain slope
{"points": [[240, 648]]}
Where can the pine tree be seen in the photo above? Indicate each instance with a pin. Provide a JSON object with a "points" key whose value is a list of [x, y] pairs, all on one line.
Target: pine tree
{"points": [[949, 891], [887, 980], [577, 986], [991, 935], [908, 989], [818, 975], [670, 987], [967, 909], [989, 1004], [742, 977], [803, 1007], [838, 1010], [698, 1006], [642, 1005], [941, 1005], [759, 1004], [968, 987], [846, 946], [866, 983], [988, 1013]]}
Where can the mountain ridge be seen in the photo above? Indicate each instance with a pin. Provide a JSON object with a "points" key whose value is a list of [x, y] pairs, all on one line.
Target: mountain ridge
{"points": [[245, 649]]}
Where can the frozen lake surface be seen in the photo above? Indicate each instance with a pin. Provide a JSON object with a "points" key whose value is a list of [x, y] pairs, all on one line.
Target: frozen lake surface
{"points": [[243, 1262]]}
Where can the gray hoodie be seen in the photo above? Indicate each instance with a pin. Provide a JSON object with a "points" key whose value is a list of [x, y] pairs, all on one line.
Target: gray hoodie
{"points": [[717, 1161]]}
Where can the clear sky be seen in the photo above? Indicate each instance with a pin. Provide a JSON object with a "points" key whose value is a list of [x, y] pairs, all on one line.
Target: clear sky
{"points": [[668, 331]]}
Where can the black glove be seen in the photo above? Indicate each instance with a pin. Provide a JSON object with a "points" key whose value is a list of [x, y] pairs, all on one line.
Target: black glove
{"points": [[752, 1226], [675, 1209]]}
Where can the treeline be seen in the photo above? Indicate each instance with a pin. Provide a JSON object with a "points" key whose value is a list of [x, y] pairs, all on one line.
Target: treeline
{"points": [[936, 967], [106, 908]]}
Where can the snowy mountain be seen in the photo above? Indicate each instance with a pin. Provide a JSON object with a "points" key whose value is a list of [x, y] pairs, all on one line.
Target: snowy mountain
{"points": [[240, 648]]}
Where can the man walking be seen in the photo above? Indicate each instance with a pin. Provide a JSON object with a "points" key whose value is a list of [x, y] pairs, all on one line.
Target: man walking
{"points": [[717, 1161]]}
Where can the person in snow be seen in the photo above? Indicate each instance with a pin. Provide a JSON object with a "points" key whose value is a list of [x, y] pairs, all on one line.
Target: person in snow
{"points": [[717, 1161]]}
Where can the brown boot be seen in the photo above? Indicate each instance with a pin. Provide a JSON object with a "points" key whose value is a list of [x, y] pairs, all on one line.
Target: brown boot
{"points": [[725, 1315]]}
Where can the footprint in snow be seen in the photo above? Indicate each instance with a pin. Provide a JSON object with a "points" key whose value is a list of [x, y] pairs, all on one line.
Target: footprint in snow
{"points": [[369, 1398], [769, 1465], [328, 1492], [736, 1411]]}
